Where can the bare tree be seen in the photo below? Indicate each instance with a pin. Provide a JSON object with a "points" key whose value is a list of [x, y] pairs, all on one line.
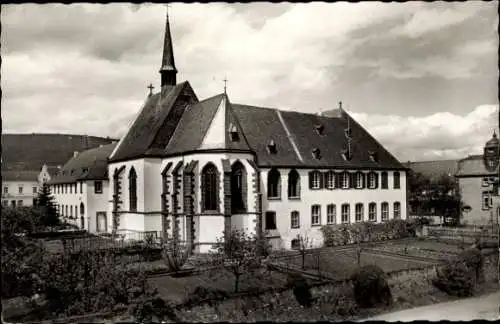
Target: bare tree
{"points": [[304, 244]]}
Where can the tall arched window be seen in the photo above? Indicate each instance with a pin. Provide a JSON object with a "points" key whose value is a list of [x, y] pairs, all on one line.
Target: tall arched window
{"points": [[82, 209], [273, 184], [209, 187], [293, 184], [238, 188], [132, 189]]}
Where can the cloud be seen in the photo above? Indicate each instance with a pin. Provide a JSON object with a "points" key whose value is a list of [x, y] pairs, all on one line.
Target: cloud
{"points": [[84, 68], [435, 136]]}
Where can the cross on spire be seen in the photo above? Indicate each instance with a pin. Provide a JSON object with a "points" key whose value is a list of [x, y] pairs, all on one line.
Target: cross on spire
{"points": [[150, 87], [340, 104], [168, 7], [225, 84]]}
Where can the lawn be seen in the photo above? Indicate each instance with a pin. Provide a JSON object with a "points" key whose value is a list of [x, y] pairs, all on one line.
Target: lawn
{"points": [[424, 249]]}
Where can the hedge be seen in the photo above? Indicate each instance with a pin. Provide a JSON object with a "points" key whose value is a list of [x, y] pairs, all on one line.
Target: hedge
{"points": [[335, 235]]}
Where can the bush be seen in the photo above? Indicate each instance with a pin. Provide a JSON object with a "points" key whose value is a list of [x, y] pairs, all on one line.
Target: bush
{"points": [[371, 287], [474, 261], [201, 294], [151, 308], [301, 290], [455, 279]]}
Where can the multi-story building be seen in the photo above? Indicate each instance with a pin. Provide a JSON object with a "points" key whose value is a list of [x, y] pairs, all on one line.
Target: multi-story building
{"points": [[80, 189], [19, 188], [202, 167]]}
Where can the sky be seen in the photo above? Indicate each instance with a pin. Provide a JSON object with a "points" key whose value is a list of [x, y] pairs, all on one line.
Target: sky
{"points": [[422, 78]]}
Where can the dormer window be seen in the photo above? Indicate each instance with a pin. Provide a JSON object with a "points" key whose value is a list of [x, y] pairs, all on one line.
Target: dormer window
{"points": [[316, 153], [233, 133], [319, 129], [271, 147], [373, 156], [346, 155]]}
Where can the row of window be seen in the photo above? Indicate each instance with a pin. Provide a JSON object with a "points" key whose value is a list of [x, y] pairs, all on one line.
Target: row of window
{"points": [[13, 203], [331, 214], [328, 180], [20, 190], [72, 188], [67, 210]]}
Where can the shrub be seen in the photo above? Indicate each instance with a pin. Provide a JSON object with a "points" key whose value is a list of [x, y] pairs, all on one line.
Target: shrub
{"points": [[474, 260], [201, 294], [301, 290], [371, 287], [150, 307], [455, 279]]}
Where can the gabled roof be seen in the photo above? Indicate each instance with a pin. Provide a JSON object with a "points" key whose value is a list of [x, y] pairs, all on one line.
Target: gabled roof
{"points": [[155, 123], [87, 165], [434, 169], [473, 165], [19, 175], [205, 125], [32, 151]]}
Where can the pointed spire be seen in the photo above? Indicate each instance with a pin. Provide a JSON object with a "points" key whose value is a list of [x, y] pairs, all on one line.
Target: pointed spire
{"points": [[168, 70]]}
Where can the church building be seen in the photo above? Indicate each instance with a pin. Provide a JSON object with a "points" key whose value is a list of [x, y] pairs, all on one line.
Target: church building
{"points": [[203, 166]]}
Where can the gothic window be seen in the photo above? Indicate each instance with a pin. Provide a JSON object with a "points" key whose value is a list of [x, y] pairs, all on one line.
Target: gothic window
{"points": [[273, 184], [81, 186], [331, 214], [295, 219], [270, 220], [210, 187], [372, 212], [385, 182], [397, 210], [315, 215], [238, 188], [359, 212], [293, 184], [132, 188], [346, 213], [385, 211], [82, 209]]}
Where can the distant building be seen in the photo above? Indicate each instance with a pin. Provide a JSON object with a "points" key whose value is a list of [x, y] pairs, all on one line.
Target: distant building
{"points": [[81, 187], [478, 178], [19, 188]]}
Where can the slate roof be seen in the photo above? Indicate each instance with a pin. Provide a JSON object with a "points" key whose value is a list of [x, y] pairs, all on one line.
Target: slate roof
{"points": [[260, 125], [473, 165], [32, 151], [154, 125], [19, 175], [88, 165], [434, 169], [196, 122]]}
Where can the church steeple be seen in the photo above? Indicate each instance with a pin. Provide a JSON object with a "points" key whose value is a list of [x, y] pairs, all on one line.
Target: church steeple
{"points": [[168, 71]]}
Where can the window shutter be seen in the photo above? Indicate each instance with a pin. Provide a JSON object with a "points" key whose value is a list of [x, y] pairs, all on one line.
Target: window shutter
{"points": [[376, 180], [321, 180], [336, 177], [363, 180], [298, 185], [324, 176], [310, 179]]}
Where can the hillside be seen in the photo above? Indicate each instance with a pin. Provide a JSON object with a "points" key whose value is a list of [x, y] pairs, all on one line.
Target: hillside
{"points": [[31, 151]]}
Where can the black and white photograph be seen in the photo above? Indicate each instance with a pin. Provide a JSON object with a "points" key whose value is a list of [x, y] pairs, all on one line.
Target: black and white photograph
{"points": [[243, 162]]}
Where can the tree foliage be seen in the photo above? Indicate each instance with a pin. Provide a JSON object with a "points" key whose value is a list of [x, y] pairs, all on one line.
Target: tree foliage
{"points": [[240, 253], [46, 202], [371, 287]]}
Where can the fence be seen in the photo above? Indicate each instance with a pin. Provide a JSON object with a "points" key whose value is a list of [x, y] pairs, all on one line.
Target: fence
{"points": [[467, 233], [105, 242]]}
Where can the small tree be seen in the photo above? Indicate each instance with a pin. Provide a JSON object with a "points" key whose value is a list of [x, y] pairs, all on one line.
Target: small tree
{"points": [[174, 254], [240, 253], [304, 245], [45, 201]]}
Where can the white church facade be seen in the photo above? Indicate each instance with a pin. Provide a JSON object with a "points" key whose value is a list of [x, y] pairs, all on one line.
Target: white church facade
{"points": [[200, 167]]}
